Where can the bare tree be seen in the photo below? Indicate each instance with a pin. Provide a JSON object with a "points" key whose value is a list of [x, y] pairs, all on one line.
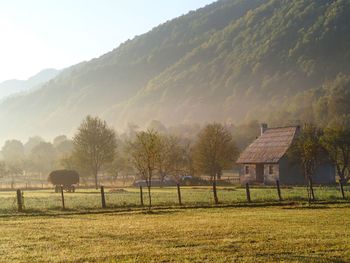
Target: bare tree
{"points": [[144, 151], [336, 140], [308, 150]]}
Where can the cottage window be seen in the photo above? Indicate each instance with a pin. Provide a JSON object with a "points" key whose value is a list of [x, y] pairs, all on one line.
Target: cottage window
{"points": [[270, 169], [246, 169]]}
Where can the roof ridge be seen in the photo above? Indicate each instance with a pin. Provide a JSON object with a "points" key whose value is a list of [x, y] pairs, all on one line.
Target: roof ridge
{"points": [[281, 127]]}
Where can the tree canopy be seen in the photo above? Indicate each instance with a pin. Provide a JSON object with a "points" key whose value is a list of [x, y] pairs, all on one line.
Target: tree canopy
{"points": [[94, 145]]}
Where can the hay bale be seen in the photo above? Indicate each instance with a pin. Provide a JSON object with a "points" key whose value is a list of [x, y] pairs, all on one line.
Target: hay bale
{"points": [[65, 178]]}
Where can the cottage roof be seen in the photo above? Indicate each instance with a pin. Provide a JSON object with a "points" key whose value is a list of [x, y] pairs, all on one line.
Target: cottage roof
{"points": [[270, 146]]}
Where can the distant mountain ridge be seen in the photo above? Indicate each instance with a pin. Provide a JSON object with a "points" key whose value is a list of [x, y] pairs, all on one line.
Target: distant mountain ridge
{"points": [[14, 86], [231, 61]]}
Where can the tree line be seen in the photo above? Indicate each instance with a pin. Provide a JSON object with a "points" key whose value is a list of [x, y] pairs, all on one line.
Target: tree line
{"points": [[157, 152], [160, 152]]}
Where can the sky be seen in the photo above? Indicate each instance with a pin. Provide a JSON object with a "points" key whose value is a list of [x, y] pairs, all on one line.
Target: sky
{"points": [[39, 34]]}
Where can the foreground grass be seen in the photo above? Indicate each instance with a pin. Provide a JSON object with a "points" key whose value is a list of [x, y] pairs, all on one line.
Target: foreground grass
{"points": [[271, 234]]}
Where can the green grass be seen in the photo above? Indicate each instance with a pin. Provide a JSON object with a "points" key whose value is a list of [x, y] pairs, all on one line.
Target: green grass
{"points": [[249, 234], [40, 201]]}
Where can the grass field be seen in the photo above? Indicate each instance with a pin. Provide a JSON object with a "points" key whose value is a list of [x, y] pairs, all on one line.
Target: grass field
{"points": [[253, 234], [40, 201]]}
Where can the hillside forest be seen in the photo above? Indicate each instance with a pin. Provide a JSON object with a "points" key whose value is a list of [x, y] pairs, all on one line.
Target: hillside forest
{"points": [[233, 61]]}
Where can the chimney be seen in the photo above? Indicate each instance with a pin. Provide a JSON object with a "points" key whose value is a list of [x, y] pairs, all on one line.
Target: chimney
{"points": [[263, 128]]}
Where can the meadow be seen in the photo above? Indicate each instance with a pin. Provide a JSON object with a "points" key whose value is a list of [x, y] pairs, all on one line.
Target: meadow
{"points": [[85, 200], [224, 234]]}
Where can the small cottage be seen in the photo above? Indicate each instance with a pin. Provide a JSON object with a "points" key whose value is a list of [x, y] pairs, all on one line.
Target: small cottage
{"points": [[266, 160]]}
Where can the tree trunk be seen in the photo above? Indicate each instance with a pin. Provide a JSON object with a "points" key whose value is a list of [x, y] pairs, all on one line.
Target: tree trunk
{"points": [[149, 196], [311, 189], [342, 178], [216, 200], [96, 179]]}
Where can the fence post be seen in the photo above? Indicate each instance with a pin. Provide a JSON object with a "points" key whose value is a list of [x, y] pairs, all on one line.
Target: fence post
{"points": [[179, 193], [279, 190], [103, 199], [141, 195], [216, 200], [19, 201], [62, 197], [248, 192], [342, 188]]}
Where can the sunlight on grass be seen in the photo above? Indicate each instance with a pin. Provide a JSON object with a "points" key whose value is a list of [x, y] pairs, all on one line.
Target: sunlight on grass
{"points": [[199, 235]]}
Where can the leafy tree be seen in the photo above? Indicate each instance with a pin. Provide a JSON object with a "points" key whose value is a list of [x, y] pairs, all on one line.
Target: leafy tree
{"points": [[121, 166], [13, 152], [214, 151], [144, 152], [43, 157], [31, 143], [174, 158], [336, 140], [64, 148], [308, 151], [157, 126], [3, 170], [94, 145], [59, 139]]}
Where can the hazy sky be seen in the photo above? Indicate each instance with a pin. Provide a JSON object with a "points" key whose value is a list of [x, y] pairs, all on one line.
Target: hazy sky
{"points": [[38, 34]]}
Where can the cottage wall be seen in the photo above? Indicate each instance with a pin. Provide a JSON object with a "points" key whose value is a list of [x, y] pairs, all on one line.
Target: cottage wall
{"points": [[252, 177], [290, 173], [325, 174], [271, 178], [247, 178]]}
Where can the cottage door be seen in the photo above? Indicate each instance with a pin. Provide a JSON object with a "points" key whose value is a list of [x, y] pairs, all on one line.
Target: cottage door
{"points": [[259, 173]]}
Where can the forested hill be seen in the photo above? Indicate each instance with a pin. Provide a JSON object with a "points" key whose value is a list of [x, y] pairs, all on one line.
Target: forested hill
{"points": [[234, 60]]}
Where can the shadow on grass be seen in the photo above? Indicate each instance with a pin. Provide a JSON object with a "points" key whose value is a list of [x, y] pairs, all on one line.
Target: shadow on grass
{"points": [[288, 256], [159, 210]]}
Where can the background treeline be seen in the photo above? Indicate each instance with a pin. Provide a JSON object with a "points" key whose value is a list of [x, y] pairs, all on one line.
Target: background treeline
{"points": [[160, 153], [231, 61], [36, 158]]}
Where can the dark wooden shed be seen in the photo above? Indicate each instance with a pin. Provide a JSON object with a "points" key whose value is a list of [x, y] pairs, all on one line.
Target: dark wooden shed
{"points": [[266, 160]]}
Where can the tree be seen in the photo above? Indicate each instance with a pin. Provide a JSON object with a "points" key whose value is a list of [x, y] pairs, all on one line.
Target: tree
{"points": [[307, 150], [43, 157], [13, 153], [336, 140], [166, 155], [94, 145], [144, 152], [121, 164], [3, 170], [59, 139], [31, 143], [173, 158], [214, 151]]}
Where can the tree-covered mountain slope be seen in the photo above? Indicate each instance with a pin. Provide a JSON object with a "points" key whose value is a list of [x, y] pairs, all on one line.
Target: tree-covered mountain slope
{"points": [[233, 60]]}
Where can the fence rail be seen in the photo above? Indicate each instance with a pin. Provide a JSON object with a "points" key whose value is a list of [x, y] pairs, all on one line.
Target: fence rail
{"points": [[107, 198]]}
